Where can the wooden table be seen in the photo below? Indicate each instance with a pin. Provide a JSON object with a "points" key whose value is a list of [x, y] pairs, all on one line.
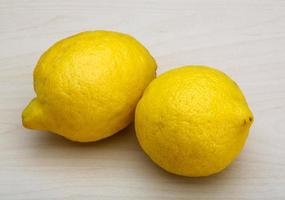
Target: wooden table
{"points": [[245, 39]]}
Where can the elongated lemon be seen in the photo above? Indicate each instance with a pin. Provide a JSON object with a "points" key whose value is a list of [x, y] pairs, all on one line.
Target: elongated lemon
{"points": [[87, 85]]}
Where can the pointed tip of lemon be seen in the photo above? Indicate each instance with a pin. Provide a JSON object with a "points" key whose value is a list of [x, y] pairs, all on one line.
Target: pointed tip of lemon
{"points": [[32, 116]]}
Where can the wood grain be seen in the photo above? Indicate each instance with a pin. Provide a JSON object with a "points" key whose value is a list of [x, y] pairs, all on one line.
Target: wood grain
{"points": [[246, 39]]}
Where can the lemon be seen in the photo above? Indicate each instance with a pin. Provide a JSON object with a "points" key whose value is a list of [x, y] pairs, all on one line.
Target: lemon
{"points": [[87, 85], [192, 121]]}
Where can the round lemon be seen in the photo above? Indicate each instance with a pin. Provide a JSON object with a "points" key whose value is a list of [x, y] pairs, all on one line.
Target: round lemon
{"points": [[192, 121], [87, 85]]}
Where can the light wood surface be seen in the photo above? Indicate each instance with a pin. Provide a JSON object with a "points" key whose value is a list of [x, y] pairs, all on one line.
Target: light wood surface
{"points": [[244, 38]]}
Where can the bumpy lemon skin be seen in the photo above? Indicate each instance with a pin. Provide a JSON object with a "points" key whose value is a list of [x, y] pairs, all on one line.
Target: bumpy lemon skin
{"points": [[192, 121], [88, 85]]}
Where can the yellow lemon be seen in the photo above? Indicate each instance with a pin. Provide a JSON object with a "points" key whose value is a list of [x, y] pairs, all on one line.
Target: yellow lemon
{"points": [[87, 85], [192, 121]]}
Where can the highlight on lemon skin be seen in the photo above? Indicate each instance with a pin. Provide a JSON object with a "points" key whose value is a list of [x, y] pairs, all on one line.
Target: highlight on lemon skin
{"points": [[87, 85], [193, 121]]}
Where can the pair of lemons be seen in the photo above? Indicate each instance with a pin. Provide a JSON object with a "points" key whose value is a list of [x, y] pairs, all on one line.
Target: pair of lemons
{"points": [[191, 121]]}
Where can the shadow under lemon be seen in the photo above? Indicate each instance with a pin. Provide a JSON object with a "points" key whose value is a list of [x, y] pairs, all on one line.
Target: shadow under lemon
{"points": [[120, 151]]}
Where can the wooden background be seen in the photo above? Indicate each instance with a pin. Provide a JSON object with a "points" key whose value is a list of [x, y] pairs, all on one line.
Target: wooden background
{"points": [[244, 38]]}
